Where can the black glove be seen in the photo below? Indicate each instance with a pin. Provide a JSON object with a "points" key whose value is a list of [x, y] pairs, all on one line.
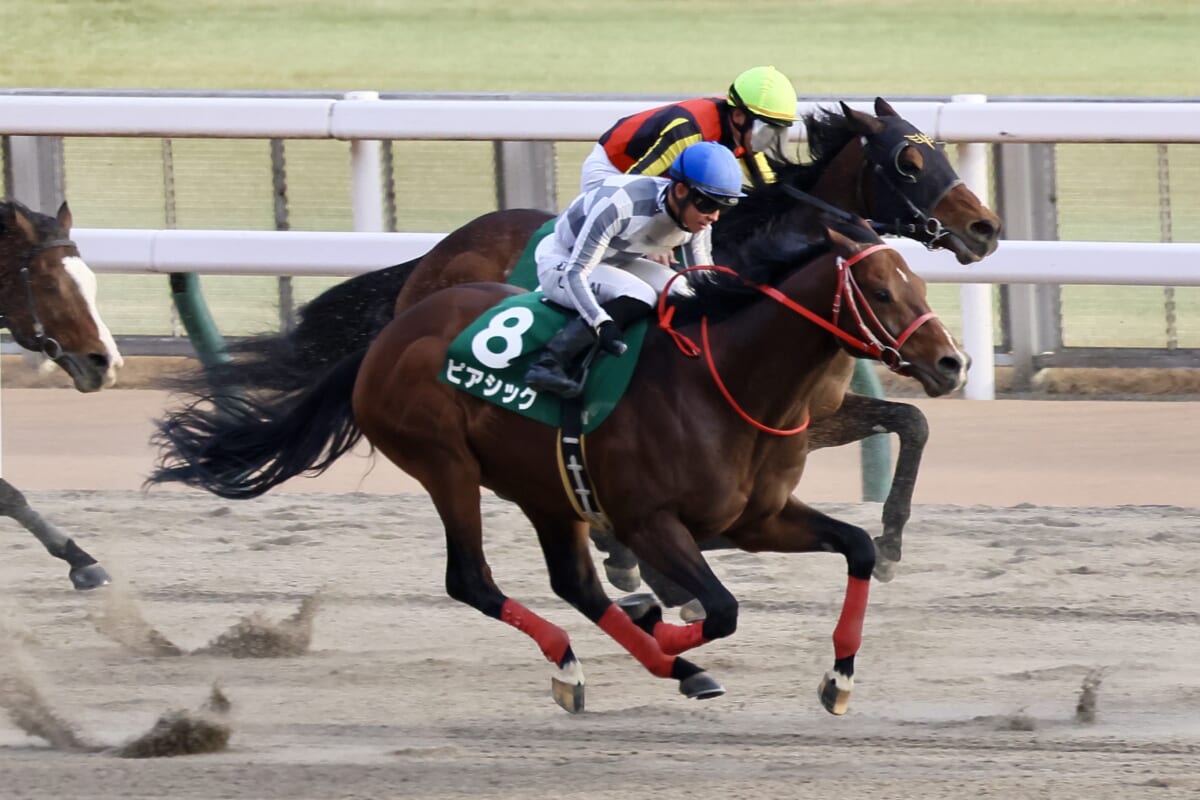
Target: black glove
{"points": [[609, 334]]}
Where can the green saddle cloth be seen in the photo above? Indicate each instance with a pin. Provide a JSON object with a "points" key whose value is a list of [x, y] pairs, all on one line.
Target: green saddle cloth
{"points": [[489, 360]]}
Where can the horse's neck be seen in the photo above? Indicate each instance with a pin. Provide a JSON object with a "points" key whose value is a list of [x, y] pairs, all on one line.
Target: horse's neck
{"points": [[843, 184], [773, 360]]}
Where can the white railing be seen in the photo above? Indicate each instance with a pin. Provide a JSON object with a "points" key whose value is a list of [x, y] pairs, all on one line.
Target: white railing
{"points": [[211, 252], [361, 119], [547, 120]]}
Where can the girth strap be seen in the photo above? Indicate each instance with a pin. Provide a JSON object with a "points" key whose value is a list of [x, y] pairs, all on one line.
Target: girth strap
{"points": [[572, 467]]}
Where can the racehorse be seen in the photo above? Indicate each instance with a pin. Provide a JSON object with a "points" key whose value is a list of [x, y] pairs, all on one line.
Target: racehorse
{"points": [[879, 167], [47, 302], [672, 466]]}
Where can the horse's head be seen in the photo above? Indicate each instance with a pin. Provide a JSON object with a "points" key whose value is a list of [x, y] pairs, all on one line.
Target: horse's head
{"points": [[48, 293], [914, 188], [881, 303]]}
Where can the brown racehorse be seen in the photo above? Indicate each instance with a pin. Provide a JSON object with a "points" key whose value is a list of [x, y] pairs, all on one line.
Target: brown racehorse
{"points": [[46, 303], [685, 456], [879, 167]]}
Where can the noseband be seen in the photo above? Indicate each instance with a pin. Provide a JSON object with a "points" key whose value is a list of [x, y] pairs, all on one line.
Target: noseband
{"points": [[47, 345]]}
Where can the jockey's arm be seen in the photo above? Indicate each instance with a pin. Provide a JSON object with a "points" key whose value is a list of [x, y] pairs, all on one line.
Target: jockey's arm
{"points": [[602, 222], [699, 249]]}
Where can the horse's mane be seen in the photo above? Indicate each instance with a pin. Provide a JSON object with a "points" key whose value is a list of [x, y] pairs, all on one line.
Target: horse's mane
{"points": [[759, 212], [766, 260]]}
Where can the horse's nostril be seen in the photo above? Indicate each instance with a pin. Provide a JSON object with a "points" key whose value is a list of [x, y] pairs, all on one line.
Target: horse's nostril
{"points": [[950, 365], [100, 360], [984, 230]]}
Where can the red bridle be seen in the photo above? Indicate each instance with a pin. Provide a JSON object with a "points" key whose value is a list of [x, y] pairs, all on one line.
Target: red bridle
{"points": [[876, 341]]}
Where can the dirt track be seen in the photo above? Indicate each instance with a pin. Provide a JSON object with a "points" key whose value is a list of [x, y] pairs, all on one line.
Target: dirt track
{"points": [[968, 680]]}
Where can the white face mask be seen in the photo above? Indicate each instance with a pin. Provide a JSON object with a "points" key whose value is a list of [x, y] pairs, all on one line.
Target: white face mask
{"points": [[766, 138]]}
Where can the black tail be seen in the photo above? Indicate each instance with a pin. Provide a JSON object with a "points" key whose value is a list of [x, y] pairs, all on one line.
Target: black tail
{"points": [[341, 320], [240, 448]]}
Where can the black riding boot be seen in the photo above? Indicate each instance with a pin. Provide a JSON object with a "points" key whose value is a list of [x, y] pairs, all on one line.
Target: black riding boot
{"points": [[549, 372]]}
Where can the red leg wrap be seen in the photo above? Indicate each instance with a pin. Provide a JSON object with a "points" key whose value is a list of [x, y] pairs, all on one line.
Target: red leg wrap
{"points": [[550, 638], [847, 636], [675, 639], [617, 624]]}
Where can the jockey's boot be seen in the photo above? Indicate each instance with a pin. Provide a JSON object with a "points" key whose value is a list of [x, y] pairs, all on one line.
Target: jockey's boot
{"points": [[549, 372]]}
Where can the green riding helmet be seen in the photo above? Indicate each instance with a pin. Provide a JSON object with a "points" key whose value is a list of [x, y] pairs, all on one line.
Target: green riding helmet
{"points": [[766, 93]]}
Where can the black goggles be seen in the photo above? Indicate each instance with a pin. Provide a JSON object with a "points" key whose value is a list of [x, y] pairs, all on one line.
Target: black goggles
{"points": [[707, 203]]}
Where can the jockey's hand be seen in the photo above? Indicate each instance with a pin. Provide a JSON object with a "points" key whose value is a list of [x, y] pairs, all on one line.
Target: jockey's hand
{"points": [[609, 334], [666, 259]]}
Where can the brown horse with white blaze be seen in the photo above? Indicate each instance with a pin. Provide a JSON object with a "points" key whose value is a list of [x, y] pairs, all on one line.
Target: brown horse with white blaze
{"points": [[47, 302], [725, 466]]}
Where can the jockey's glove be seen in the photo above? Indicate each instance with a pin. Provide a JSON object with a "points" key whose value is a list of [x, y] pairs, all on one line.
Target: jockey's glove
{"points": [[609, 334]]}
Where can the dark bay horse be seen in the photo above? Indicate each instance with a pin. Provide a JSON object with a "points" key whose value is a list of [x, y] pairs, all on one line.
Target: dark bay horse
{"points": [[686, 455], [879, 167], [47, 302]]}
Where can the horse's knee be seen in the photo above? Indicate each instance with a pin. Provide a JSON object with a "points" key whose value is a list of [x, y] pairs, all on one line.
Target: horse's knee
{"points": [[912, 426], [720, 617]]}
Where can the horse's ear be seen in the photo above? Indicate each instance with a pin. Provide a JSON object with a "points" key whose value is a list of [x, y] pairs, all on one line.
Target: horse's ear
{"points": [[860, 123], [839, 243], [64, 217], [23, 223], [884, 109]]}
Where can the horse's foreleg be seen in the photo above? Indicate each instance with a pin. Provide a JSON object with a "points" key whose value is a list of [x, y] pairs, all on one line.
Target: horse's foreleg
{"points": [[860, 417], [797, 529], [85, 572]]}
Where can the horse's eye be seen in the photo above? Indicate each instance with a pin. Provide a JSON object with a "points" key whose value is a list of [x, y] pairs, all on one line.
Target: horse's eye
{"points": [[883, 295]]}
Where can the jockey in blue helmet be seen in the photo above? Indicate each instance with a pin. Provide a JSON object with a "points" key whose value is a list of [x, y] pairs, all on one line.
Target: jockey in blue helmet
{"points": [[599, 260]]}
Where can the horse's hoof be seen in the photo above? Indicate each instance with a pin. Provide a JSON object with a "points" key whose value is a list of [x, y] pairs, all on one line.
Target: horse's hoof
{"points": [[885, 569], [692, 611], [567, 695], [638, 605], [700, 686], [834, 692], [93, 576], [567, 687], [627, 579]]}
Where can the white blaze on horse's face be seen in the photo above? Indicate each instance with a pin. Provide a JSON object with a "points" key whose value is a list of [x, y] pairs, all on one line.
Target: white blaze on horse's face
{"points": [[963, 359], [78, 269]]}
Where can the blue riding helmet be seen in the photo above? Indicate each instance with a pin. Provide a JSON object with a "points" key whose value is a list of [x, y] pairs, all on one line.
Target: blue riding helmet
{"points": [[711, 170]]}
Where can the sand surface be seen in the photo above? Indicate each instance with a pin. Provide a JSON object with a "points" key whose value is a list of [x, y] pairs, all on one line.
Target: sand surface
{"points": [[1052, 543]]}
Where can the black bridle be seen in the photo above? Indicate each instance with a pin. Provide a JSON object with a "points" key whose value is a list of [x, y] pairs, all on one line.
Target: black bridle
{"points": [[913, 216], [47, 345]]}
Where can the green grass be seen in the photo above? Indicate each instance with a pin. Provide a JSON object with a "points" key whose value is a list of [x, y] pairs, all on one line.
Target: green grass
{"points": [[840, 48], [1138, 47]]}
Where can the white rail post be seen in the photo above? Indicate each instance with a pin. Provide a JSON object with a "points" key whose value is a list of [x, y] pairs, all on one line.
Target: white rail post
{"points": [[976, 298], [366, 167]]}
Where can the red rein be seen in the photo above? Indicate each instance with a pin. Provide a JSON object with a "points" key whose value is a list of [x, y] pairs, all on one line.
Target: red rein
{"points": [[887, 351]]}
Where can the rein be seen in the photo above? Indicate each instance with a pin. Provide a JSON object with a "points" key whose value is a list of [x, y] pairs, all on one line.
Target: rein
{"points": [[876, 341], [47, 345]]}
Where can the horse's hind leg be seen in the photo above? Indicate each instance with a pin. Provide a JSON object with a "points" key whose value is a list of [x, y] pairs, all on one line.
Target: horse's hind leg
{"points": [[453, 485], [573, 578], [859, 417], [85, 572]]}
